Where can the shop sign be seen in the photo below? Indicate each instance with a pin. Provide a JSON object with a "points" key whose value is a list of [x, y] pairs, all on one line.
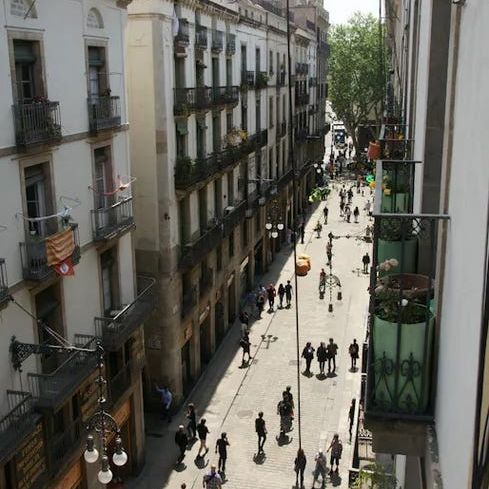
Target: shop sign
{"points": [[30, 460]]}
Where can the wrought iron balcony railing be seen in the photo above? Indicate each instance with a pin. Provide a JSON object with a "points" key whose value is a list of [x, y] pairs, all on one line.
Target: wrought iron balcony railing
{"points": [[4, 295], [61, 446], [109, 222], [261, 80], [115, 330], [17, 423], [402, 315], [201, 37], [393, 142], [313, 81], [230, 44], [301, 68], [51, 390], [36, 123], [192, 99], [247, 79], [104, 112], [183, 34], [217, 41], [188, 172], [34, 256], [193, 253], [260, 138], [301, 98], [225, 95]]}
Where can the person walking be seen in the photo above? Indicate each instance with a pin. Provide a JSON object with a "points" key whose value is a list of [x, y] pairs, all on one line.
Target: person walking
{"points": [[350, 195], [260, 303], [281, 293], [336, 448], [348, 213], [244, 342], [367, 207], [353, 350], [284, 409], [342, 208], [308, 355], [288, 293], [365, 262], [332, 350], [181, 440], [221, 447], [261, 431], [192, 421], [212, 480], [356, 213], [166, 400], [244, 319], [351, 416], [288, 394], [302, 231], [325, 214], [299, 467], [329, 252], [320, 469], [322, 356], [271, 293], [203, 431]]}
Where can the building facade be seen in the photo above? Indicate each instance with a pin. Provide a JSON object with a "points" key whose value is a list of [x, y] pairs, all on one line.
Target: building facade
{"points": [[210, 132], [426, 394], [67, 273]]}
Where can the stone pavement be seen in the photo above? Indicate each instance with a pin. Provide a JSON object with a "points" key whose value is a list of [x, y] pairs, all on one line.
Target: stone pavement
{"points": [[229, 396]]}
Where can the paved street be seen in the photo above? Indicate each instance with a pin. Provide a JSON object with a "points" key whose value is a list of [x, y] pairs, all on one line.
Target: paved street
{"points": [[229, 397]]}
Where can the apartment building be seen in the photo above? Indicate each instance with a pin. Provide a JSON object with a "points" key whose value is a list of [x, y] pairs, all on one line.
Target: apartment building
{"points": [[210, 135], [67, 273], [426, 396]]}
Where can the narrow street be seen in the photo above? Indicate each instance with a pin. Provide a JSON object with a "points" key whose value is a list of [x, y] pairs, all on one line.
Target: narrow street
{"points": [[229, 396]]}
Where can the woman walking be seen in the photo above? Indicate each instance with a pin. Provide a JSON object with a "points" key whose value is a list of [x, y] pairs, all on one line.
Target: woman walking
{"points": [[299, 467]]}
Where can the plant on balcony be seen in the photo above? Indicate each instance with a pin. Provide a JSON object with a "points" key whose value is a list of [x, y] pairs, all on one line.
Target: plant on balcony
{"points": [[261, 80], [184, 165], [234, 137]]}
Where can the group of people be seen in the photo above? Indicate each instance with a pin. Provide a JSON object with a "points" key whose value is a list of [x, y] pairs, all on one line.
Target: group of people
{"points": [[269, 293], [327, 353]]}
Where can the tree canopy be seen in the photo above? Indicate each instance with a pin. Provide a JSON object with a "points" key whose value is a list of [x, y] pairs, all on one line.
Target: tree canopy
{"points": [[356, 84]]}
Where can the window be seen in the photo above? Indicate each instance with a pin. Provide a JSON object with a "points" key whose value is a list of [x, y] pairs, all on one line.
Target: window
{"points": [[271, 62], [184, 220], [38, 199], [230, 182], [231, 244], [28, 71], [229, 121], [203, 209], [110, 289], [218, 197], [229, 72], [97, 74], [257, 60], [216, 133], [200, 131], [244, 233], [102, 177], [244, 117], [258, 115], [181, 137], [270, 163]]}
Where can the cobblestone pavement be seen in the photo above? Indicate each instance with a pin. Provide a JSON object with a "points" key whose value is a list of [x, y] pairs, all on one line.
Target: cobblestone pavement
{"points": [[229, 396]]}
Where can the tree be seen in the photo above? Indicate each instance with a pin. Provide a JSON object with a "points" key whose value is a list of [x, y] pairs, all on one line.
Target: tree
{"points": [[374, 476], [356, 84]]}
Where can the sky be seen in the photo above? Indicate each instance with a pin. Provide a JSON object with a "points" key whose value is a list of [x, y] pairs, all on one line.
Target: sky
{"points": [[341, 10]]}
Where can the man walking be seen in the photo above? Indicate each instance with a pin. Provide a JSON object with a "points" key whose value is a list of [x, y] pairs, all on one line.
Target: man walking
{"points": [[203, 431], [181, 440], [332, 350], [336, 448], [221, 447], [166, 400], [244, 342], [308, 355], [351, 416], [366, 262], [299, 467], [325, 214], [322, 356], [271, 296], [281, 293], [353, 350], [212, 480], [244, 318], [356, 213], [192, 421], [261, 431], [320, 469], [260, 303], [288, 293], [302, 232]]}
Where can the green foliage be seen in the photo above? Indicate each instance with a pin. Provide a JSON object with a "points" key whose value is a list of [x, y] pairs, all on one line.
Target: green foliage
{"points": [[356, 83], [374, 476]]}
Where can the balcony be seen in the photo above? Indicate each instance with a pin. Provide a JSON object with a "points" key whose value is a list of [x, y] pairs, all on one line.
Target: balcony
{"points": [[230, 44], [189, 301], [402, 316], [228, 95], [217, 41], [189, 100], [393, 142], [261, 80], [4, 295], [259, 139], [301, 99], [234, 217], [188, 172], [60, 446], [300, 134], [17, 423], [201, 37], [301, 68], [119, 383], [247, 79], [115, 330], [183, 34], [34, 256], [104, 112], [325, 48], [51, 390], [193, 253], [110, 222], [37, 123]]}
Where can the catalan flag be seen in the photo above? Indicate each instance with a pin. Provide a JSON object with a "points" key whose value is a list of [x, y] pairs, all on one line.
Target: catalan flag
{"points": [[60, 246]]}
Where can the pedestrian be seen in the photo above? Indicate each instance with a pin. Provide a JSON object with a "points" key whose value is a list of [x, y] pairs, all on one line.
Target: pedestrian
{"points": [[288, 293], [351, 416], [353, 350], [299, 467], [281, 293], [260, 303], [288, 394], [336, 448], [302, 232], [350, 195], [367, 207], [325, 214], [284, 409], [308, 355], [244, 343], [271, 293], [166, 400], [192, 421], [318, 229], [356, 213], [342, 208], [183, 486], [203, 431], [366, 262], [212, 480], [181, 440], [332, 350], [261, 431], [322, 356], [329, 252], [221, 446], [347, 213], [244, 319], [320, 469]]}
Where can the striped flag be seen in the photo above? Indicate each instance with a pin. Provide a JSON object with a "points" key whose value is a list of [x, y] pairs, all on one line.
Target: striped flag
{"points": [[60, 246]]}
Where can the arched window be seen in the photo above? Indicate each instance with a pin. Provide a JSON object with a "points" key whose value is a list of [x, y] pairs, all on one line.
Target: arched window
{"points": [[94, 19], [23, 8]]}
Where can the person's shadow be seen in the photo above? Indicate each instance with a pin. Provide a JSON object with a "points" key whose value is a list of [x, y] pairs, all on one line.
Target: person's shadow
{"points": [[321, 376], [353, 369], [283, 439], [307, 374], [259, 458], [245, 363], [201, 462], [180, 466], [335, 479], [332, 375]]}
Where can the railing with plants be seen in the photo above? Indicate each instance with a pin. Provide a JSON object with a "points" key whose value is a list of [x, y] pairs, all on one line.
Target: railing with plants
{"points": [[189, 100], [193, 253], [225, 95], [261, 80], [104, 112]]}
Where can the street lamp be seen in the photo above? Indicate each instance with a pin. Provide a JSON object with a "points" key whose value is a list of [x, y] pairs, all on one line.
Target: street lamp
{"points": [[274, 222]]}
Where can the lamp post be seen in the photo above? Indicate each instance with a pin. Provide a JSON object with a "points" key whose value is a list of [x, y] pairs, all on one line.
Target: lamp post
{"points": [[274, 222], [319, 173]]}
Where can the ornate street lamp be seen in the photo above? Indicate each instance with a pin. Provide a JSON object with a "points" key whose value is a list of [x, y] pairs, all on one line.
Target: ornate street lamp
{"points": [[274, 220]]}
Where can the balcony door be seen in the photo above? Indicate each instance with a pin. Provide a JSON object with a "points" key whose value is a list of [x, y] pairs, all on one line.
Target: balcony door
{"points": [[28, 71], [201, 153], [215, 72], [110, 289], [35, 197], [229, 72], [258, 116], [203, 209], [102, 184], [257, 60], [243, 58], [97, 76]]}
